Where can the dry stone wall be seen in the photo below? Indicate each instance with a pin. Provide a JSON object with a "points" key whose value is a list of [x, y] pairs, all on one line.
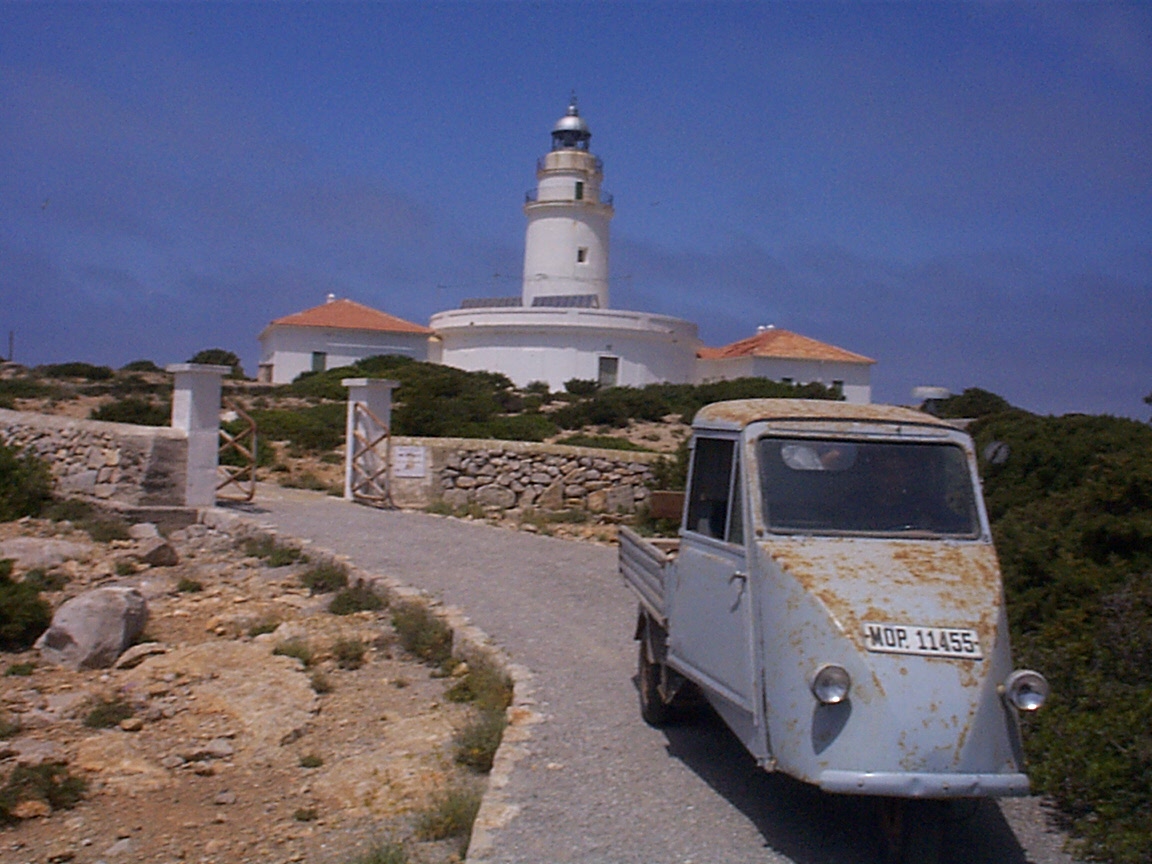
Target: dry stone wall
{"points": [[118, 462], [508, 474]]}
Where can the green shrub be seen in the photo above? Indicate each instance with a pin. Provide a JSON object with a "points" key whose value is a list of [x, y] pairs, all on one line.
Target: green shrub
{"points": [[273, 553], [297, 649], [265, 625], [358, 598], [349, 653], [325, 578], [12, 389], [219, 357], [140, 366], [320, 682], [25, 484], [451, 815], [307, 430], [105, 529], [22, 670], [306, 814], [1071, 512], [69, 509], [141, 412], [311, 760], [422, 633], [476, 743], [50, 783], [24, 614], [604, 442], [187, 585], [76, 370], [106, 713], [42, 581], [384, 853], [485, 684], [9, 727]]}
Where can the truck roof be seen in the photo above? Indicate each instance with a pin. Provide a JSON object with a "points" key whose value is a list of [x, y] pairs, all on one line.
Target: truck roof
{"points": [[738, 413]]}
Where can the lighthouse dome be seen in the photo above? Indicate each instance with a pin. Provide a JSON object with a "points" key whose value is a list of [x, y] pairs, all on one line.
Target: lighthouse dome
{"points": [[571, 131]]}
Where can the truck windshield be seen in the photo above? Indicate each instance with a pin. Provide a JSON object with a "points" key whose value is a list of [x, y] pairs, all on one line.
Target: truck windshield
{"points": [[820, 486]]}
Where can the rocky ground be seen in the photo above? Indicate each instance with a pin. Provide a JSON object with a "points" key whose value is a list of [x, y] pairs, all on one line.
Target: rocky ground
{"points": [[231, 753]]}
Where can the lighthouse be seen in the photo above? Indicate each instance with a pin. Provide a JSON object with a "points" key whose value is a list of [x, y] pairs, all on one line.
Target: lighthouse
{"points": [[566, 240], [560, 328]]}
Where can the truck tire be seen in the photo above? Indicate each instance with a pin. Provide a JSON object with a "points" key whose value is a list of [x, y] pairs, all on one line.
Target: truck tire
{"points": [[653, 708]]}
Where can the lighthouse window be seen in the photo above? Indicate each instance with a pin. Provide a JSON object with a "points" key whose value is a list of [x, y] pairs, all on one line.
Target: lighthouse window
{"points": [[579, 190], [582, 255]]}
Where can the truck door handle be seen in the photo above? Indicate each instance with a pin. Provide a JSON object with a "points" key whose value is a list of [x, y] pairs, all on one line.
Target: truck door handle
{"points": [[739, 574]]}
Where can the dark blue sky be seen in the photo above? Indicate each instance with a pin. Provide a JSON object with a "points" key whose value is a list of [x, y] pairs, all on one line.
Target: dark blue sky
{"points": [[961, 191]]}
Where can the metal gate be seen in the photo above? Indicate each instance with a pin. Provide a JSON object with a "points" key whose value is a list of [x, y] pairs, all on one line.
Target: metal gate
{"points": [[368, 442], [236, 462]]}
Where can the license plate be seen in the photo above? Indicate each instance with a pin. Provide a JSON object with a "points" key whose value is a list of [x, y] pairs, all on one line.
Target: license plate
{"points": [[925, 641]]}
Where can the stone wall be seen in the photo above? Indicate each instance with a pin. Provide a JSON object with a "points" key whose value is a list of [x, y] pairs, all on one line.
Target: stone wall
{"points": [[507, 474], [115, 462]]}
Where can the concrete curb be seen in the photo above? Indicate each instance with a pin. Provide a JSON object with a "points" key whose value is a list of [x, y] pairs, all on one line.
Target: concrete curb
{"points": [[496, 808]]}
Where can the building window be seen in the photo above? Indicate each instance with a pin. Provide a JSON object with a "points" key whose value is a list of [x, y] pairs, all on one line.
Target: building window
{"points": [[319, 361], [579, 190], [608, 371], [582, 255], [785, 380]]}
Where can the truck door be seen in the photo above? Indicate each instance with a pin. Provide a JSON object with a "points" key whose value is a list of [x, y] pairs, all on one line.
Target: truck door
{"points": [[710, 610]]}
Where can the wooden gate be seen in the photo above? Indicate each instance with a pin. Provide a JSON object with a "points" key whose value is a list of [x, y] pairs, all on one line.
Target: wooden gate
{"points": [[237, 458], [368, 443]]}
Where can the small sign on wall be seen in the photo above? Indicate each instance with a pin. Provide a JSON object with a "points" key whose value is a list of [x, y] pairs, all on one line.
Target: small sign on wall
{"points": [[409, 460]]}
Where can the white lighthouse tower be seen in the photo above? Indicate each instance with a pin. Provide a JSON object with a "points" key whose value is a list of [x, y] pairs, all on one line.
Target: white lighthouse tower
{"points": [[561, 327], [566, 242]]}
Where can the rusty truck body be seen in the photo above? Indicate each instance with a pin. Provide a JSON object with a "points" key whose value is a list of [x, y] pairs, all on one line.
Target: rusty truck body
{"points": [[834, 594]]}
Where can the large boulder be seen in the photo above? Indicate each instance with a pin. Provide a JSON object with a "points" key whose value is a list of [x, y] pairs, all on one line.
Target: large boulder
{"points": [[90, 631]]}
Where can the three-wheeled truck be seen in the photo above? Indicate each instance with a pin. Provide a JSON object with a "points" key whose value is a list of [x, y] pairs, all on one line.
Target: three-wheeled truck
{"points": [[834, 594]]}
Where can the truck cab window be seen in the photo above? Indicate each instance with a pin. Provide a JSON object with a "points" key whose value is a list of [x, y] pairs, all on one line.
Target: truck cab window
{"points": [[711, 490]]}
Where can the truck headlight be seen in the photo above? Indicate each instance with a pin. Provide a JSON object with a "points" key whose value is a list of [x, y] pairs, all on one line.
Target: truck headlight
{"points": [[1025, 689], [830, 684]]}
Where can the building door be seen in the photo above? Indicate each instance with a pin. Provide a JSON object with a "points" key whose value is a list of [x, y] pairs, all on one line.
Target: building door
{"points": [[608, 371], [319, 361]]}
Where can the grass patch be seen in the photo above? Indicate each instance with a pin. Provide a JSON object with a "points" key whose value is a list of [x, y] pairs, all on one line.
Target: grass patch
{"points": [[189, 586], [475, 745], [20, 669], [349, 653], [484, 684], [306, 814], [43, 581], [272, 553], [320, 682], [422, 633], [8, 727], [602, 442], [311, 760], [358, 598], [450, 815], [125, 568], [297, 649], [24, 614], [52, 784], [107, 713], [104, 529], [384, 853], [266, 625], [325, 578]]}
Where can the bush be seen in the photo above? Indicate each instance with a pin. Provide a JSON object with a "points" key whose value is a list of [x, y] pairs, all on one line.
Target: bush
{"points": [[422, 633], [219, 357], [358, 598], [580, 387], [297, 649], [271, 552], [308, 430], [141, 412], [604, 442], [52, 784], [476, 744], [25, 484], [484, 684], [451, 815], [324, 578], [76, 370], [107, 713], [140, 366], [349, 653], [24, 614], [1071, 512]]}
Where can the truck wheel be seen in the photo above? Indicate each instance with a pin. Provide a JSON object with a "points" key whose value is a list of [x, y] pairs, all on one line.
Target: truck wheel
{"points": [[913, 831], [654, 710]]}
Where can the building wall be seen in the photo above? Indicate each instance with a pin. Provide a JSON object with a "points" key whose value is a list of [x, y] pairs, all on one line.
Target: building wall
{"points": [[288, 350], [856, 377], [557, 345]]}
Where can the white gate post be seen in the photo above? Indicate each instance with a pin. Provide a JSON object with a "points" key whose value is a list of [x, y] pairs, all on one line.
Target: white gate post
{"points": [[375, 394], [196, 410]]}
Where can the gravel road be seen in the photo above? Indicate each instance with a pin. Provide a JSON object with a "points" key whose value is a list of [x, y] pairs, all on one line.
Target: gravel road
{"points": [[596, 785]]}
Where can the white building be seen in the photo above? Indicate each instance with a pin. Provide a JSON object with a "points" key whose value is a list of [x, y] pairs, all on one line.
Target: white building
{"points": [[561, 326], [337, 333], [789, 357]]}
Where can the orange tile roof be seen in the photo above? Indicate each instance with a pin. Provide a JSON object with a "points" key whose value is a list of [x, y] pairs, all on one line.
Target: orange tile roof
{"points": [[349, 315], [773, 342]]}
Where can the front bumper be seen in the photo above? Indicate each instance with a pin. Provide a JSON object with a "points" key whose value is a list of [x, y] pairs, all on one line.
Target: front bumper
{"points": [[899, 784]]}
